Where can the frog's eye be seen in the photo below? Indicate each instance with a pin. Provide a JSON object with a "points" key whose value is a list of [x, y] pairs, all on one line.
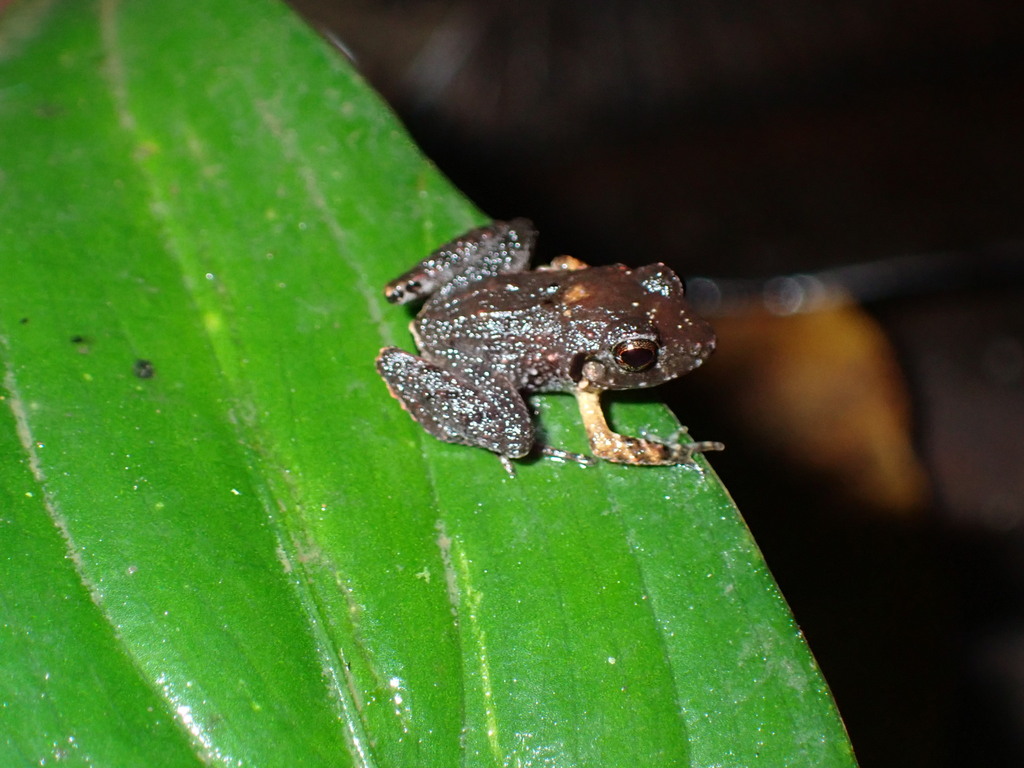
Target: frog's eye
{"points": [[635, 355]]}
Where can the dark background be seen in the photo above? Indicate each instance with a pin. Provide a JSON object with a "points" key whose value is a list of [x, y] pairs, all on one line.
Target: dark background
{"points": [[877, 449]]}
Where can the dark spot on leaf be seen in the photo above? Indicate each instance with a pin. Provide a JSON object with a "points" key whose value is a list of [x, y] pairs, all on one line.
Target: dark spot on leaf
{"points": [[143, 369], [82, 344]]}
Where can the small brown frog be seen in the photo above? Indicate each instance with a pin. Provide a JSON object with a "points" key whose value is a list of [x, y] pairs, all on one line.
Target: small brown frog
{"points": [[490, 330]]}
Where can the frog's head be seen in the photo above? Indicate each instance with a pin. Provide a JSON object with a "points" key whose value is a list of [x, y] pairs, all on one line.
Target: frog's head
{"points": [[649, 334]]}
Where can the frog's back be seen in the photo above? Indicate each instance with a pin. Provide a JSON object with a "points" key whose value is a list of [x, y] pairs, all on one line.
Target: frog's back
{"points": [[509, 326]]}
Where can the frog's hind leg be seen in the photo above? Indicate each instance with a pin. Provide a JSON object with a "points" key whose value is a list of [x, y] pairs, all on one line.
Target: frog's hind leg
{"points": [[499, 247], [621, 449], [456, 410]]}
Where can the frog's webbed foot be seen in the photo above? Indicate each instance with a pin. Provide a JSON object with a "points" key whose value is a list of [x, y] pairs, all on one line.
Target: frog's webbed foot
{"points": [[546, 451], [621, 449], [557, 454], [565, 456], [499, 247], [456, 410]]}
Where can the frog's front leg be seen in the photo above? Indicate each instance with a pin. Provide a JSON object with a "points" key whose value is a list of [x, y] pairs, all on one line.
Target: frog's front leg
{"points": [[491, 415], [621, 449], [498, 248]]}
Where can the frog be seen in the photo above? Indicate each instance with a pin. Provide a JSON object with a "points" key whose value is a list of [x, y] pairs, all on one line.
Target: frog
{"points": [[491, 331]]}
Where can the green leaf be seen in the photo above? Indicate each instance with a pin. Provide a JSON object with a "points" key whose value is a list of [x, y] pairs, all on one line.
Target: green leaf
{"points": [[222, 542]]}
